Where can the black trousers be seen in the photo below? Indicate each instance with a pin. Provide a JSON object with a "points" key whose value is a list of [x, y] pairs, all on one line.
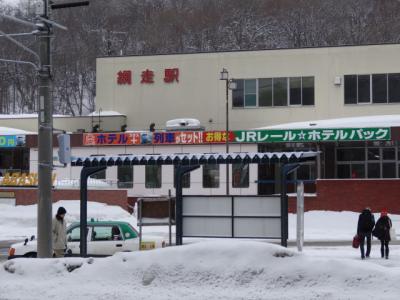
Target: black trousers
{"points": [[362, 237], [384, 248]]}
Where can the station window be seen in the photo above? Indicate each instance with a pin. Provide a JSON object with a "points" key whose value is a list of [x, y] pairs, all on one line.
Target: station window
{"points": [[240, 175], [99, 175], [185, 179], [153, 177], [368, 162], [269, 92], [372, 88], [125, 177], [211, 176]]}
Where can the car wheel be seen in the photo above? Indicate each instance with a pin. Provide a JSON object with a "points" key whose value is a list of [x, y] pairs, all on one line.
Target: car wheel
{"points": [[31, 255]]}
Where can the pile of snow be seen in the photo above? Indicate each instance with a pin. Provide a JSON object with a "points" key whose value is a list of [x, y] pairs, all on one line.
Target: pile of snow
{"points": [[206, 270], [20, 221], [104, 113], [75, 183], [353, 122], [13, 131], [332, 225]]}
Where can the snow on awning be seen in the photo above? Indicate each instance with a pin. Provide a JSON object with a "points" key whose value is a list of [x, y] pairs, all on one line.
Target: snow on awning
{"points": [[352, 122], [192, 159]]}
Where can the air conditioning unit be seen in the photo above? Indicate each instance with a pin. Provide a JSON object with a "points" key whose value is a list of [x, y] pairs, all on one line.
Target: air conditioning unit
{"points": [[184, 124]]}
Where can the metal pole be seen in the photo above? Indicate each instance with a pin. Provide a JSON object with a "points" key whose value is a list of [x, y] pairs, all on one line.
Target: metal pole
{"points": [[85, 173], [45, 141], [227, 134], [300, 216]]}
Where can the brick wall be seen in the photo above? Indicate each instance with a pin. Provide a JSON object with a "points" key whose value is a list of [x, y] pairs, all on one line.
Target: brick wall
{"points": [[28, 196], [354, 195]]}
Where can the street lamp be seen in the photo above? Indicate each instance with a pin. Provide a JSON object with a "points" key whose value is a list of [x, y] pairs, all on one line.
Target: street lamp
{"points": [[230, 85]]}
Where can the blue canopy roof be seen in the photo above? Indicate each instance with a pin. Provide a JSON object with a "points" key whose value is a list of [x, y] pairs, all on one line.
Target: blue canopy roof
{"points": [[193, 158]]}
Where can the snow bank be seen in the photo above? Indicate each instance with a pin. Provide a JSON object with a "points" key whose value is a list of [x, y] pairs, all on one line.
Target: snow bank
{"points": [[331, 225], [207, 270], [18, 222]]}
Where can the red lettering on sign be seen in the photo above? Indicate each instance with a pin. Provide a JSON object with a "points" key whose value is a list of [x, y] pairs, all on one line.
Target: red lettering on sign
{"points": [[171, 75], [147, 76], [124, 77]]}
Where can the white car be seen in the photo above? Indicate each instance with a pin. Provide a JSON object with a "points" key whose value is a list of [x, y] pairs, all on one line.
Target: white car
{"points": [[104, 238]]}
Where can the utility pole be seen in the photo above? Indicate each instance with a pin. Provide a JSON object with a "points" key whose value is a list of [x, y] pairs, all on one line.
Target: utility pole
{"points": [[45, 139], [45, 129]]}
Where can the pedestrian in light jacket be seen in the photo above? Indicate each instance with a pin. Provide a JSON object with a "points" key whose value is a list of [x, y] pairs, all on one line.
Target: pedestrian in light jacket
{"points": [[59, 230], [382, 232], [366, 222]]}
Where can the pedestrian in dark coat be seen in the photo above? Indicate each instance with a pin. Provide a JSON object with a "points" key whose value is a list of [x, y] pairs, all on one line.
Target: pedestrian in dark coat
{"points": [[382, 232], [366, 222]]}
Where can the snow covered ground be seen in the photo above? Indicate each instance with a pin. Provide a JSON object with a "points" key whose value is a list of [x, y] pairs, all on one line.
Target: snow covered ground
{"points": [[18, 222], [208, 270], [217, 269]]}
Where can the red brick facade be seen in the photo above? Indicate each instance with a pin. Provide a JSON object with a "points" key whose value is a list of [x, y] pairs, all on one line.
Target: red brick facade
{"points": [[28, 196], [353, 195]]}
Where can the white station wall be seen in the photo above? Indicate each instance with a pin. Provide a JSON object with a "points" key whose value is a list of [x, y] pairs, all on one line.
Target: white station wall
{"points": [[200, 94]]}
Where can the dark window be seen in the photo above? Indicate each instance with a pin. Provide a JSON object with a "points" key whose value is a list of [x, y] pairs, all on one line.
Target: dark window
{"points": [[185, 179], [308, 90], [99, 175], [240, 175], [364, 90], [238, 94], [389, 153], [351, 154], [357, 171], [125, 177], [374, 170], [306, 172], [295, 90], [379, 88], [394, 87], [389, 170], [280, 92], [250, 92], [343, 171], [211, 176], [265, 92], [373, 154], [152, 177], [350, 89]]}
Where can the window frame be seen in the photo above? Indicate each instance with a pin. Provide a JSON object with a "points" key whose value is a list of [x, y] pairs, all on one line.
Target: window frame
{"points": [[273, 79], [125, 185], [146, 184], [204, 173]]}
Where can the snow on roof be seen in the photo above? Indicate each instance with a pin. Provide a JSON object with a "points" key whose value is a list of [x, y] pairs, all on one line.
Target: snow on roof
{"points": [[13, 131], [354, 122], [105, 113], [27, 116]]}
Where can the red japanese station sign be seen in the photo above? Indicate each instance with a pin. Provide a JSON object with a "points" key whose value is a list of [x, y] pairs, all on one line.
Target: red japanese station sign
{"points": [[124, 77]]}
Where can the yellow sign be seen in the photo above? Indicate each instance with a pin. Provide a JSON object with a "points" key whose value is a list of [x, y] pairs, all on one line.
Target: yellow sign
{"points": [[22, 179], [147, 245]]}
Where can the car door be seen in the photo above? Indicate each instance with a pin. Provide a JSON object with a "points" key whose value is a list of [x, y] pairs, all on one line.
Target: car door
{"points": [[103, 242], [73, 239]]}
